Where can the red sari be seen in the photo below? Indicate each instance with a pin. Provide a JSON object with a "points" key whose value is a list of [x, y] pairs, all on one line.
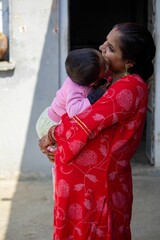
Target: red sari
{"points": [[93, 182]]}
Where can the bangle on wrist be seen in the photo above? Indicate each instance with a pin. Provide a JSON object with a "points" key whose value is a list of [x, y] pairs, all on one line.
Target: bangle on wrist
{"points": [[51, 136]]}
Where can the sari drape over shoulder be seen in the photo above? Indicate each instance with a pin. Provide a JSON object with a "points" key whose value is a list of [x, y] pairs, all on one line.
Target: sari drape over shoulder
{"points": [[93, 182]]}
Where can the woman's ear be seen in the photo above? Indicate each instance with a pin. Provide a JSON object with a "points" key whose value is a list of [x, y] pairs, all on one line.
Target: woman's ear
{"points": [[128, 64]]}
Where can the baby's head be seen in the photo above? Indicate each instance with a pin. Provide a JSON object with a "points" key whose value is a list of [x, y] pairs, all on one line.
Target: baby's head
{"points": [[85, 66]]}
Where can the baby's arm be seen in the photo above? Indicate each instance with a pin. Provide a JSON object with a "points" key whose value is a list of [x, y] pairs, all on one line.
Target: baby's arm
{"points": [[99, 91], [95, 95], [77, 101]]}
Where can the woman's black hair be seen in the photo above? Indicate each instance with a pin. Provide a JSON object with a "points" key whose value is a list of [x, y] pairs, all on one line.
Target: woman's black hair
{"points": [[137, 46], [83, 66]]}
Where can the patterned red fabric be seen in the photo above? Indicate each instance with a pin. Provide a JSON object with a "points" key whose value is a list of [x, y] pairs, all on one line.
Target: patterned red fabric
{"points": [[93, 182]]}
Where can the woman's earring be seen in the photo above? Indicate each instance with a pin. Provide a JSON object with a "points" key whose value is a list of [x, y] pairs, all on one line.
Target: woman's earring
{"points": [[126, 71]]}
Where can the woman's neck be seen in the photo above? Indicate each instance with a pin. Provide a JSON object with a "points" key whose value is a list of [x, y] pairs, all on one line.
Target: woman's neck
{"points": [[117, 76]]}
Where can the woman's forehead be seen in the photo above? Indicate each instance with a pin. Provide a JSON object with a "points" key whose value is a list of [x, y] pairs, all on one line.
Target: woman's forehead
{"points": [[114, 34], [113, 38]]}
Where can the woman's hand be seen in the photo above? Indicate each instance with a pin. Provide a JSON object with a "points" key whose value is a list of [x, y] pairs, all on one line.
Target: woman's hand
{"points": [[46, 145], [50, 156]]}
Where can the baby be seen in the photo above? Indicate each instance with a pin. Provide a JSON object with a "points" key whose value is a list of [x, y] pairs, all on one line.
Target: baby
{"points": [[85, 69]]}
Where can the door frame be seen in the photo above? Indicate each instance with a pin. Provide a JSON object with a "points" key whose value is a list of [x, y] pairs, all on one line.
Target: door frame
{"points": [[63, 38], [156, 5]]}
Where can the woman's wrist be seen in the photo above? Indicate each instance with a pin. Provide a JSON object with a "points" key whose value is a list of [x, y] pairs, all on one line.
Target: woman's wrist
{"points": [[51, 136]]}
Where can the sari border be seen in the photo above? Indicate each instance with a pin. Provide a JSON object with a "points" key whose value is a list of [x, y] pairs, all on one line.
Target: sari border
{"points": [[82, 125]]}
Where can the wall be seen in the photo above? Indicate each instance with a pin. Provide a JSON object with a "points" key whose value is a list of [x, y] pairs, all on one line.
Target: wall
{"points": [[30, 87]]}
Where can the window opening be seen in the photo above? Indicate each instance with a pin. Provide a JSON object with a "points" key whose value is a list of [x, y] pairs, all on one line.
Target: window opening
{"points": [[6, 62]]}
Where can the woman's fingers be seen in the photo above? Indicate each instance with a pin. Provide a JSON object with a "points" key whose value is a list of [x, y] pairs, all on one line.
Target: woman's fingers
{"points": [[50, 156]]}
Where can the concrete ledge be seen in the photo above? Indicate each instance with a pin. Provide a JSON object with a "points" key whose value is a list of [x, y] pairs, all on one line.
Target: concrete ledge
{"points": [[7, 66]]}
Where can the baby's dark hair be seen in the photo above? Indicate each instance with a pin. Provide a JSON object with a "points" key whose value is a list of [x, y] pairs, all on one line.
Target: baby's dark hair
{"points": [[137, 46], [84, 65]]}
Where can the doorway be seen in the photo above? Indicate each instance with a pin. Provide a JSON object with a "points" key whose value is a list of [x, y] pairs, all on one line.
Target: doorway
{"points": [[89, 23]]}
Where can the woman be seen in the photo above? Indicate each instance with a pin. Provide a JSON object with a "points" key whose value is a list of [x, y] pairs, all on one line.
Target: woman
{"points": [[93, 182]]}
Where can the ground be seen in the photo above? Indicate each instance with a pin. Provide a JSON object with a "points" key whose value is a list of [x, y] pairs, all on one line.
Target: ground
{"points": [[26, 205]]}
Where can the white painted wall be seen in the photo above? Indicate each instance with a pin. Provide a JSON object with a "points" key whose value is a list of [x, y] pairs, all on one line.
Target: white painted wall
{"points": [[27, 90]]}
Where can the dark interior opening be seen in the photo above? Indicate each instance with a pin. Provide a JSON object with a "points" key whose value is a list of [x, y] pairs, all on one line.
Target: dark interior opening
{"points": [[90, 21]]}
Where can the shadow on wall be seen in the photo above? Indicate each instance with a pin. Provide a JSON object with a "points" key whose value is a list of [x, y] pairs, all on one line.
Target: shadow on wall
{"points": [[23, 216], [47, 84]]}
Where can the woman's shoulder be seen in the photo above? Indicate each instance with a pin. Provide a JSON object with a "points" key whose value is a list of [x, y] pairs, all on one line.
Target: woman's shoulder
{"points": [[130, 85], [132, 81], [136, 77]]}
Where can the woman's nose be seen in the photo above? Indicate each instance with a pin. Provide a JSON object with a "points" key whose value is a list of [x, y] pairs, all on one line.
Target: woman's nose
{"points": [[101, 47]]}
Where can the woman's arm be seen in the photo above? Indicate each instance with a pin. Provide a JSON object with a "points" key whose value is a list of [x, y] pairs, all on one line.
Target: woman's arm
{"points": [[116, 105]]}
